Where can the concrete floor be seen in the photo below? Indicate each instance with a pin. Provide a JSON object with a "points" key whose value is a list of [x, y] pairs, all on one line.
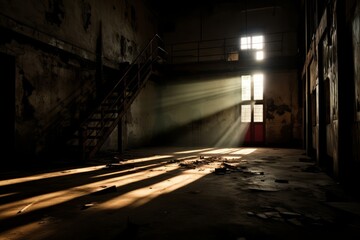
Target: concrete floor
{"points": [[178, 193]]}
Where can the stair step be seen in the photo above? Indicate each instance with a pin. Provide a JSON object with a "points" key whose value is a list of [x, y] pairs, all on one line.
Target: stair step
{"points": [[101, 122]]}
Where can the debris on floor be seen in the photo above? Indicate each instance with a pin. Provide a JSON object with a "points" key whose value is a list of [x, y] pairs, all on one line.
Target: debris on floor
{"points": [[119, 166], [173, 161], [48, 219], [254, 198], [26, 207], [284, 215], [221, 171], [87, 205]]}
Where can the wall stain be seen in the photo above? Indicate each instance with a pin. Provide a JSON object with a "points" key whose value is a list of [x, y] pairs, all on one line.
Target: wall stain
{"points": [[272, 109], [56, 12]]}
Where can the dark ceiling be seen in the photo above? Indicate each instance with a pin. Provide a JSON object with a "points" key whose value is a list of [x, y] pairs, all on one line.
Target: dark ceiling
{"points": [[176, 7]]}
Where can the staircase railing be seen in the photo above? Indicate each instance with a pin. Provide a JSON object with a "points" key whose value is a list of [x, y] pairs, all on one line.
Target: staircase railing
{"points": [[98, 126]]}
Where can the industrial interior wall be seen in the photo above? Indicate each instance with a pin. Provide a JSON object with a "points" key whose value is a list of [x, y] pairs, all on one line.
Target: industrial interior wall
{"points": [[355, 30], [138, 124], [283, 118], [58, 45], [204, 110], [323, 96], [199, 110], [331, 86]]}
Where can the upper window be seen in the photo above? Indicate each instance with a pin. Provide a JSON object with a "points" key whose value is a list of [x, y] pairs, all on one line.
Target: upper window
{"points": [[253, 42]]}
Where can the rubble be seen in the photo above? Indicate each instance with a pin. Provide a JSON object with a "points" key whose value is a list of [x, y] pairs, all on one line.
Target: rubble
{"points": [[284, 215], [119, 165], [26, 207], [87, 205]]}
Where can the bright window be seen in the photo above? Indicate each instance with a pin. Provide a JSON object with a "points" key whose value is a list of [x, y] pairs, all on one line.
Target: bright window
{"points": [[258, 86], [245, 87], [257, 42], [259, 55], [245, 43], [258, 113], [252, 91], [246, 113], [253, 42]]}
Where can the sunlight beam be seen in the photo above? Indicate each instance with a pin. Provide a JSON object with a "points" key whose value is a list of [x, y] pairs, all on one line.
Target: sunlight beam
{"points": [[49, 175], [143, 195]]}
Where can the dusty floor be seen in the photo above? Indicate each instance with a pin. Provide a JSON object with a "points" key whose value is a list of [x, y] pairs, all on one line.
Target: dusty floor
{"points": [[178, 193]]}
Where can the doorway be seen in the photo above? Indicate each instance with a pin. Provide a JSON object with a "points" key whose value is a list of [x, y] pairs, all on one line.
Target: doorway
{"points": [[252, 108]]}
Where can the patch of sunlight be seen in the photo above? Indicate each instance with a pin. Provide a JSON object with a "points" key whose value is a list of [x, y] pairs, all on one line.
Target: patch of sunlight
{"points": [[245, 151], [144, 195], [193, 151], [135, 168], [49, 175], [145, 159], [232, 156], [221, 151], [59, 197], [16, 232]]}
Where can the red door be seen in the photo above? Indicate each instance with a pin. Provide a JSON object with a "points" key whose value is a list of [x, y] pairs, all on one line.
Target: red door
{"points": [[252, 109]]}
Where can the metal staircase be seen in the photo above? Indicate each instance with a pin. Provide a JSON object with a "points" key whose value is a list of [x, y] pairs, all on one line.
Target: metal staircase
{"points": [[98, 126]]}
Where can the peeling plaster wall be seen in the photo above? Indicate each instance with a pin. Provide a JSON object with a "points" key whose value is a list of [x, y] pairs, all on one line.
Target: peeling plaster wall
{"points": [[55, 44], [126, 25], [330, 72], [204, 110], [355, 29], [336, 38], [51, 95], [326, 71], [283, 119], [313, 94]]}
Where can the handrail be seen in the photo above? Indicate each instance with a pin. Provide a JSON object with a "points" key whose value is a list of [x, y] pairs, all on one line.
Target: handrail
{"points": [[196, 51], [129, 68], [98, 126]]}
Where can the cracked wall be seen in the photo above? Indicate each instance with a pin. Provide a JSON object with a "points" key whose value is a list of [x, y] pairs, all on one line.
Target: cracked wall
{"points": [[282, 114], [56, 47], [355, 29]]}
